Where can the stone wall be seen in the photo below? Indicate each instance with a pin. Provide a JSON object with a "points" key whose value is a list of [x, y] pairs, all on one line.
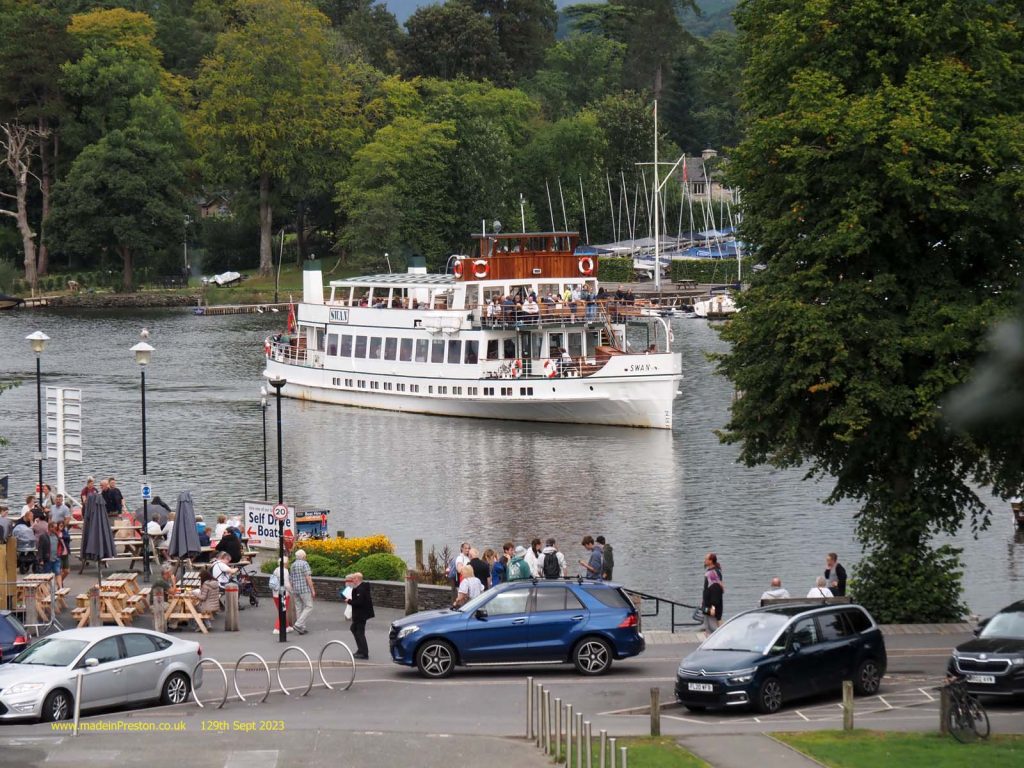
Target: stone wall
{"points": [[386, 594]]}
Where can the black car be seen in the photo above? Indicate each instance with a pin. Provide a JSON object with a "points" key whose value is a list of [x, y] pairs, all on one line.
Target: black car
{"points": [[992, 664], [768, 656], [13, 637]]}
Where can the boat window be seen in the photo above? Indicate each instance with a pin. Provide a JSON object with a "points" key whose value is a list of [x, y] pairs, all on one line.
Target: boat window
{"points": [[421, 350], [346, 345], [437, 351], [536, 345], [575, 344], [454, 351], [492, 349], [521, 291], [494, 291], [360, 346], [319, 340], [405, 353], [390, 348], [375, 348], [593, 340], [472, 352], [509, 351], [332, 344], [555, 344]]}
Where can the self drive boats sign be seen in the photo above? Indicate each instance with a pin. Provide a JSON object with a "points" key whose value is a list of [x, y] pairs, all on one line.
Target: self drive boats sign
{"points": [[260, 525]]}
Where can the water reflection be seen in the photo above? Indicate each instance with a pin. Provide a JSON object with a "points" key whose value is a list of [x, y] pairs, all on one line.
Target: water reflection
{"points": [[662, 499]]}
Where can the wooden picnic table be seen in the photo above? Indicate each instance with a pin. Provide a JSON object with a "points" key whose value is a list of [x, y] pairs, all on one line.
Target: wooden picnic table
{"points": [[39, 585], [182, 607], [113, 607]]}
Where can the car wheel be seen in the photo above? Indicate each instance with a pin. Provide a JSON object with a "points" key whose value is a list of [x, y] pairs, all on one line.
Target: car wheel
{"points": [[769, 697], [175, 690], [868, 678], [57, 706], [435, 659], [592, 656]]}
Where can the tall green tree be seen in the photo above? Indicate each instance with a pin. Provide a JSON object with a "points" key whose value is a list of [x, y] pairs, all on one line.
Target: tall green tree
{"points": [[452, 40], [125, 193], [577, 71], [272, 102], [882, 189], [650, 30], [702, 101], [525, 30]]}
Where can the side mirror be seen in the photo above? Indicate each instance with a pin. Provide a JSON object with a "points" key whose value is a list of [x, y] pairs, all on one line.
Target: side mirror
{"points": [[91, 662], [481, 614], [981, 626]]}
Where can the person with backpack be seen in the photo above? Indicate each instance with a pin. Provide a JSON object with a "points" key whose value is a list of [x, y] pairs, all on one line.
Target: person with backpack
{"points": [[552, 562], [518, 568]]}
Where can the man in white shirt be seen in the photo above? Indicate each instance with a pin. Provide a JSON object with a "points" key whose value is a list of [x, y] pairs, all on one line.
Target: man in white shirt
{"points": [[777, 592], [221, 571], [59, 512], [820, 590]]}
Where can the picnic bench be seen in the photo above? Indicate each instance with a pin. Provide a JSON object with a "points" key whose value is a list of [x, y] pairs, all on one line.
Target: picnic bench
{"points": [[113, 607], [183, 607]]}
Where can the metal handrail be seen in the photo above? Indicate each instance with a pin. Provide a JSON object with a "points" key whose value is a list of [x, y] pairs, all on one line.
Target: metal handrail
{"points": [[673, 604]]}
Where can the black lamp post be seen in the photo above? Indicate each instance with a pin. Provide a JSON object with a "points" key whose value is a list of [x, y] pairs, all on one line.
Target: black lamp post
{"points": [[143, 353], [38, 341], [263, 407], [282, 611]]}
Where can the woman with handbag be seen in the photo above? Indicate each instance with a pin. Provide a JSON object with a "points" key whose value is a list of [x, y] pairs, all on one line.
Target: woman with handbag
{"points": [[713, 594]]}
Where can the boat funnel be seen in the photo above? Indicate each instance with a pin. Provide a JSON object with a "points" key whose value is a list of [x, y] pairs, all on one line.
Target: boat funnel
{"points": [[417, 265], [312, 282]]}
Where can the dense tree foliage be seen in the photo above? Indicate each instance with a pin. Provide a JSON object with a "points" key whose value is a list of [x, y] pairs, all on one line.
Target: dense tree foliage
{"points": [[280, 97], [882, 185]]}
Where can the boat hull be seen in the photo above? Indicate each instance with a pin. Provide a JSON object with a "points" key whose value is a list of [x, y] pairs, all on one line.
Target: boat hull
{"points": [[624, 401]]}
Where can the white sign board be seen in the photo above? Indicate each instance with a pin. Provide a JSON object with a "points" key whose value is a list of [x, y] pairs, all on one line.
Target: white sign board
{"points": [[260, 525], [64, 423]]}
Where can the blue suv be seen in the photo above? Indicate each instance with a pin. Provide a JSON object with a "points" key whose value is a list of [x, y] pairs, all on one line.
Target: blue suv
{"points": [[587, 623]]}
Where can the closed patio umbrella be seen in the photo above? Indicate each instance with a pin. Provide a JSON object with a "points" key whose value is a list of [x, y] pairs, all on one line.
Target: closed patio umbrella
{"points": [[97, 538], [184, 537]]}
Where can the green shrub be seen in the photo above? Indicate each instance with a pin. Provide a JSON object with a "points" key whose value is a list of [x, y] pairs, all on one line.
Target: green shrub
{"points": [[615, 269], [324, 566], [709, 270], [268, 566], [380, 567], [908, 587], [8, 276]]}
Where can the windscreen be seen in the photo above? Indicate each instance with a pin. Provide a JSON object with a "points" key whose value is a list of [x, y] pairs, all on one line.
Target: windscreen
{"points": [[51, 652], [752, 632]]}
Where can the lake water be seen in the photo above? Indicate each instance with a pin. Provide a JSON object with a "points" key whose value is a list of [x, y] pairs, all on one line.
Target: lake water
{"points": [[662, 499]]}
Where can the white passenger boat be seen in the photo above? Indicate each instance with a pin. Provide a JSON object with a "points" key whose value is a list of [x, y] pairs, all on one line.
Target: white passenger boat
{"points": [[472, 343]]}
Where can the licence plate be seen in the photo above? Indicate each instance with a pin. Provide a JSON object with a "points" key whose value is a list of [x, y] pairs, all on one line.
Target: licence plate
{"points": [[704, 687], [982, 679]]}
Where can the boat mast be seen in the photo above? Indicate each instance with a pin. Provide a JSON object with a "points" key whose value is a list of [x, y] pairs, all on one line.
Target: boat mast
{"points": [[657, 189]]}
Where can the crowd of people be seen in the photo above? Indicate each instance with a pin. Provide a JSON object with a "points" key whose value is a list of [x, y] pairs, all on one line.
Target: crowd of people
{"points": [[832, 583], [42, 532], [471, 572]]}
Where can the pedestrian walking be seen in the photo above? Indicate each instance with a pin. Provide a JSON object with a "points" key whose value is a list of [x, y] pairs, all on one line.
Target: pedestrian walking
{"points": [[362, 611], [552, 562], [480, 568], [835, 575], [469, 587], [533, 558], [496, 566], [280, 579], [592, 565], [712, 600], [518, 568], [607, 558], [303, 591]]}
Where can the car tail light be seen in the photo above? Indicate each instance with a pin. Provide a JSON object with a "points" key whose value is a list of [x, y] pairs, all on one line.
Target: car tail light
{"points": [[629, 621], [21, 640]]}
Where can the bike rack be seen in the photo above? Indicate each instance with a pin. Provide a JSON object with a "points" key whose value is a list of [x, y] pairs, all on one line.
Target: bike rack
{"points": [[308, 661], [234, 675], [320, 665], [224, 674]]}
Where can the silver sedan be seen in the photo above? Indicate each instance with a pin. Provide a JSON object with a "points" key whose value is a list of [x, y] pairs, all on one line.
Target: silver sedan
{"points": [[119, 665]]}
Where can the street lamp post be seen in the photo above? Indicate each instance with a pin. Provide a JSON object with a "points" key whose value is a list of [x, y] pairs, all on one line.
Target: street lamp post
{"points": [[282, 611], [143, 353], [38, 341], [263, 407]]}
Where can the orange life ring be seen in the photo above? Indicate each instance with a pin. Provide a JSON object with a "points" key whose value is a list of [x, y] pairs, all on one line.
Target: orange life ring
{"points": [[457, 269], [586, 265], [517, 369], [550, 368], [481, 269]]}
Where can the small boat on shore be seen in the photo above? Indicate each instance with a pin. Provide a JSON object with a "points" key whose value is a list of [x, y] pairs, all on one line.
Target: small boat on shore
{"points": [[493, 339], [9, 302], [716, 307]]}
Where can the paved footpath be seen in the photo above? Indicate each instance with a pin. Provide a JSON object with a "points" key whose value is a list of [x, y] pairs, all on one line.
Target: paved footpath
{"points": [[745, 751]]}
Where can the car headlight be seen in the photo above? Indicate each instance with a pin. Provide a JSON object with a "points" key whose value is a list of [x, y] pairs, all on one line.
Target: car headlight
{"points": [[1017, 662], [741, 676], [19, 688], [406, 631]]}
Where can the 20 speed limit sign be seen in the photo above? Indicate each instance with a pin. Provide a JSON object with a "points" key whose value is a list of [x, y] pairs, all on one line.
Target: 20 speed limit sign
{"points": [[280, 512]]}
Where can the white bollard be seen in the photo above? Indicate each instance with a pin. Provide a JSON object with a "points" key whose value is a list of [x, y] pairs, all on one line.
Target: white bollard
{"points": [[611, 750], [568, 736], [623, 763], [529, 707], [604, 746], [579, 740]]}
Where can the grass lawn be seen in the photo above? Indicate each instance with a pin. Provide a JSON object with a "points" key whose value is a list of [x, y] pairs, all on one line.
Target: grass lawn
{"points": [[873, 749], [648, 752]]}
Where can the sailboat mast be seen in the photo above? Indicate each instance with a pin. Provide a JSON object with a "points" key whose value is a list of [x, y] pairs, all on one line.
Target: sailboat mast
{"points": [[657, 218]]}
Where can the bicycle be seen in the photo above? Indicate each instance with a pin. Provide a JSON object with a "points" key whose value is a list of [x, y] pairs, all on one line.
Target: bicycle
{"points": [[966, 719]]}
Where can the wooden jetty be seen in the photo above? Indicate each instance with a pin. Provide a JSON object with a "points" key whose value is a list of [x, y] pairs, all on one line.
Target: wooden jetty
{"points": [[240, 309]]}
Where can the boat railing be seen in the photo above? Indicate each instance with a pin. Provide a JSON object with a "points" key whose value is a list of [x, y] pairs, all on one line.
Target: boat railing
{"points": [[516, 316]]}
